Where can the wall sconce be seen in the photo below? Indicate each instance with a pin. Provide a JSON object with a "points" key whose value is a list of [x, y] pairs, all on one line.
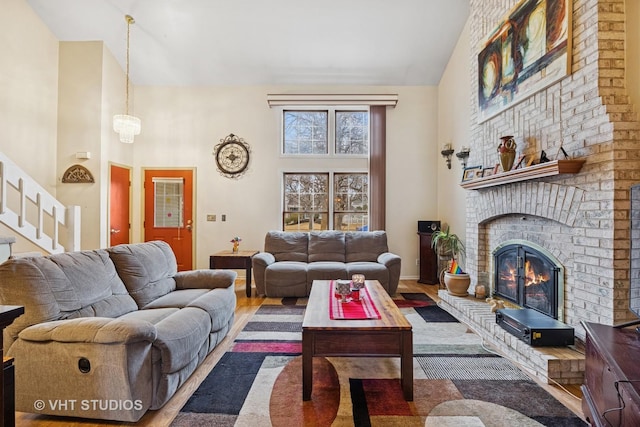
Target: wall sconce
{"points": [[463, 155], [446, 152]]}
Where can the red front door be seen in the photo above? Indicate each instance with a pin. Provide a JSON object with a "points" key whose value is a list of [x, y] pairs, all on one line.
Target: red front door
{"points": [[168, 211], [119, 205]]}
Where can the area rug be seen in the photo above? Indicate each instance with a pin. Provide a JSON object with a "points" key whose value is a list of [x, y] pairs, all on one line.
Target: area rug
{"points": [[456, 381]]}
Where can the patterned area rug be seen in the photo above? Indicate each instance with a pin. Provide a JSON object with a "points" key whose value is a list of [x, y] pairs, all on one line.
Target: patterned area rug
{"points": [[456, 382]]}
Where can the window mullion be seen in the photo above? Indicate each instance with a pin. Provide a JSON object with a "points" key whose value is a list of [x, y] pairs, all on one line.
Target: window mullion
{"points": [[331, 200], [331, 132]]}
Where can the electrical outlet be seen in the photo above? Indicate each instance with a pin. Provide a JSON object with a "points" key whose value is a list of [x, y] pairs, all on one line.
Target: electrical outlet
{"points": [[417, 261], [211, 217], [224, 217]]}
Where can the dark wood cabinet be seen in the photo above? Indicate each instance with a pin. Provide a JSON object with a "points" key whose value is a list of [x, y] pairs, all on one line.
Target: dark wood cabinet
{"points": [[428, 260], [611, 386], [8, 313]]}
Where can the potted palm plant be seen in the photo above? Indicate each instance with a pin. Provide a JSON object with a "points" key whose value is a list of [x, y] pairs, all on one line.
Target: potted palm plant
{"points": [[450, 247]]}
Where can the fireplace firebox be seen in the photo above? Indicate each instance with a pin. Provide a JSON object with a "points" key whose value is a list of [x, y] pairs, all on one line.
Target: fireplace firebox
{"points": [[529, 277]]}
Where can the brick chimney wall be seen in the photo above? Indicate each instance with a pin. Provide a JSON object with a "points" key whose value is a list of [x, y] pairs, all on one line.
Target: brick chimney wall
{"points": [[581, 219]]}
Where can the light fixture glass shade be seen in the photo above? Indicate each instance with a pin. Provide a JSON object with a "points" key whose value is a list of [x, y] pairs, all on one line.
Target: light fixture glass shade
{"points": [[127, 126]]}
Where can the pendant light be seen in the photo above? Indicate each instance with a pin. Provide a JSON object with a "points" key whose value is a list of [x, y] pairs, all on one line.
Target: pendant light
{"points": [[124, 124]]}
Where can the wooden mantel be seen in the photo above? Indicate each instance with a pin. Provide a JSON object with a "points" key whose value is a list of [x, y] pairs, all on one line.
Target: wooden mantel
{"points": [[555, 167]]}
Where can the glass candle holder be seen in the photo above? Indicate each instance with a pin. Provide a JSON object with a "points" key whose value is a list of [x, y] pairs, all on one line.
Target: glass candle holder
{"points": [[357, 283], [343, 288]]}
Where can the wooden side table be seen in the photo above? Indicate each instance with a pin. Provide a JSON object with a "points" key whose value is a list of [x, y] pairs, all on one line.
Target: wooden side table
{"points": [[234, 260]]}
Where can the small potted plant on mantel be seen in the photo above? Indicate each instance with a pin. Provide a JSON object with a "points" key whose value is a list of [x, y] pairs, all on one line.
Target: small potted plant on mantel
{"points": [[450, 247]]}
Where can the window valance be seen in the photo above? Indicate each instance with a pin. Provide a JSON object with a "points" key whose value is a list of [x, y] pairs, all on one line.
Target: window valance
{"points": [[275, 99]]}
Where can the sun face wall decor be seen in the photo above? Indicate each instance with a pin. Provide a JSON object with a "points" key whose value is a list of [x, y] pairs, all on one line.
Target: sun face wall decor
{"points": [[527, 52], [232, 156]]}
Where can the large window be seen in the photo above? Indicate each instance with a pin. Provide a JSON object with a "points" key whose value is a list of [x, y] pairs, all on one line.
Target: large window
{"points": [[306, 201], [335, 195], [351, 201], [307, 196], [352, 132], [305, 132], [314, 132]]}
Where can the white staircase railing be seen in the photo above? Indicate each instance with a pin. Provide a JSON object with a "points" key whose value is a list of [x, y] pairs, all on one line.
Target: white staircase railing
{"points": [[29, 210]]}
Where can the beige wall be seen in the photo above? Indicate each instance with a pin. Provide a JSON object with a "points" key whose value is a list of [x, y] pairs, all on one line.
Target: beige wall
{"points": [[181, 126], [29, 96], [91, 91], [454, 106], [79, 113]]}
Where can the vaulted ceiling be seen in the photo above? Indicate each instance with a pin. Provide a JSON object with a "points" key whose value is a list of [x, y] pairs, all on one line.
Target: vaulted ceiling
{"points": [[272, 42]]}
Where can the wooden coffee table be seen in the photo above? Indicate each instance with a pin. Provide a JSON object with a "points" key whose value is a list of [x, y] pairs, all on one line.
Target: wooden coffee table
{"points": [[389, 336]]}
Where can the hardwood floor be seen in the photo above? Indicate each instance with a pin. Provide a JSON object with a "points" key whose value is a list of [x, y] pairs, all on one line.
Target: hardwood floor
{"points": [[245, 309]]}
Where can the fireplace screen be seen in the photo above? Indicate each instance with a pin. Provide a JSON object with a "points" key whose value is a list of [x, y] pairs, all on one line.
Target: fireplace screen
{"points": [[525, 276]]}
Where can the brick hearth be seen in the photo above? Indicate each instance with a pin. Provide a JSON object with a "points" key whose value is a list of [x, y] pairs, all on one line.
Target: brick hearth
{"points": [[564, 365]]}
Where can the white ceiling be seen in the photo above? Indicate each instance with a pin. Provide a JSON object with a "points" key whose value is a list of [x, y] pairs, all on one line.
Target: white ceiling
{"points": [[280, 42]]}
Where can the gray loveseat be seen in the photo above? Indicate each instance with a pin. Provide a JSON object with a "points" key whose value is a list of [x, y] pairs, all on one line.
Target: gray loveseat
{"points": [[291, 261], [110, 333]]}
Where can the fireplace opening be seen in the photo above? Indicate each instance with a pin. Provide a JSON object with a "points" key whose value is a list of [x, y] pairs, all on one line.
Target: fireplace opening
{"points": [[528, 277]]}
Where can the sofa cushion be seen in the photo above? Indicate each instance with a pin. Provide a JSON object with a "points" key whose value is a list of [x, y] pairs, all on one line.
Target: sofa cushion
{"points": [[180, 337], [287, 245], [289, 278], [177, 298], [371, 271], [93, 287], [323, 270], [219, 304], [326, 246], [152, 316], [365, 245], [147, 269], [67, 285]]}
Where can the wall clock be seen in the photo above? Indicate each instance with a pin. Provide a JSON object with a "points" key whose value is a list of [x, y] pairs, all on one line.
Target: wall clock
{"points": [[232, 156]]}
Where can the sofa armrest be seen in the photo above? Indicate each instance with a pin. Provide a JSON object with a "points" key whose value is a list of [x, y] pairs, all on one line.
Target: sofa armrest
{"points": [[100, 330], [393, 263], [263, 259], [260, 262], [205, 279], [389, 259]]}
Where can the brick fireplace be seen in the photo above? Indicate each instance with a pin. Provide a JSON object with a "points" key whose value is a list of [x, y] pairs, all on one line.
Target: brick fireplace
{"points": [[581, 219]]}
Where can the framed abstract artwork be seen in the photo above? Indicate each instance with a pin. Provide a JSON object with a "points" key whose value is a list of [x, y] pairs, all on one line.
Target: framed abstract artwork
{"points": [[527, 52]]}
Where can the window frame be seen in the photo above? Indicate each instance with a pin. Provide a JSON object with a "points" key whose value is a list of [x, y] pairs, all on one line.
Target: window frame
{"points": [[331, 196], [331, 130]]}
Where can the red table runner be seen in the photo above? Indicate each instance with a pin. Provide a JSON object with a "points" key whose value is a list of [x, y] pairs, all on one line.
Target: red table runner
{"points": [[363, 309]]}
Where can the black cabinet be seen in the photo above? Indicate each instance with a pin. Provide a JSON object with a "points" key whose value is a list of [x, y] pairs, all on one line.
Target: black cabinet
{"points": [[428, 260], [8, 314]]}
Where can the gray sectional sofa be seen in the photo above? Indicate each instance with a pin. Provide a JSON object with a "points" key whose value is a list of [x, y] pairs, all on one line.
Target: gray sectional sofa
{"points": [[291, 261], [110, 333]]}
